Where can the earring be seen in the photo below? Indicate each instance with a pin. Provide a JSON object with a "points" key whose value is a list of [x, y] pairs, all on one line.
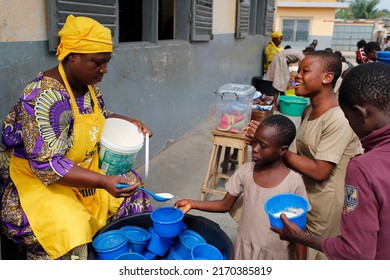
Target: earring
{"points": [[324, 81]]}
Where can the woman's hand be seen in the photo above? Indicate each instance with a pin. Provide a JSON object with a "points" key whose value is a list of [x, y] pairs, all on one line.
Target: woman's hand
{"points": [[109, 184], [250, 131], [142, 128], [184, 205]]}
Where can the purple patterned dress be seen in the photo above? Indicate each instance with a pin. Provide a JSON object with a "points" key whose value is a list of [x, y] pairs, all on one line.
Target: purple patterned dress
{"points": [[40, 129]]}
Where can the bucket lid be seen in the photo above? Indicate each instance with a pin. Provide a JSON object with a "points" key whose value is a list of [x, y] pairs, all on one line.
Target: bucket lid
{"points": [[109, 240], [238, 89], [136, 234], [121, 136]]}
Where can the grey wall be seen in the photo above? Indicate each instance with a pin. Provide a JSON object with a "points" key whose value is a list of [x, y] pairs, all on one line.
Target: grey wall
{"points": [[170, 86]]}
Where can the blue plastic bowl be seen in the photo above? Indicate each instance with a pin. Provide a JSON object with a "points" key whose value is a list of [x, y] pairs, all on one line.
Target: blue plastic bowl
{"points": [[205, 251], [137, 238], [110, 244], [149, 255], [187, 240], [385, 60], [130, 256], [167, 221], [172, 255], [286, 202], [158, 245], [383, 54]]}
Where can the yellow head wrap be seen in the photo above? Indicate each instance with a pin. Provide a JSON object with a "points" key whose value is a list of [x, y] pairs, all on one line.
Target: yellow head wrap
{"points": [[276, 34], [83, 35]]}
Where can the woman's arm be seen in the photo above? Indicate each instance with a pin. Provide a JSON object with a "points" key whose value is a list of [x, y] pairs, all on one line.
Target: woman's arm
{"points": [[81, 177], [141, 127]]}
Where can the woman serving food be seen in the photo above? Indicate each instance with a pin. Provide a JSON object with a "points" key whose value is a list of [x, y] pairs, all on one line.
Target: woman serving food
{"points": [[54, 197]]}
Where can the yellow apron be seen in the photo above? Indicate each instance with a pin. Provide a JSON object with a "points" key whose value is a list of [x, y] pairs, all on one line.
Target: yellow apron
{"points": [[64, 217]]}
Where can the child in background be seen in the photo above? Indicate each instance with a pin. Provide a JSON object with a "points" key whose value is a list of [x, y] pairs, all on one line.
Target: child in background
{"points": [[365, 223], [259, 180], [371, 49], [361, 56]]}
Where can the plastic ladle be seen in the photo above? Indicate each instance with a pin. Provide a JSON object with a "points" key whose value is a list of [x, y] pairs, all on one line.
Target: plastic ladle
{"points": [[156, 196]]}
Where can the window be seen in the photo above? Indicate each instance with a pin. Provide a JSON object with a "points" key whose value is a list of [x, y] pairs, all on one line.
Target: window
{"points": [[202, 20], [138, 20], [295, 30], [262, 17], [243, 14]]}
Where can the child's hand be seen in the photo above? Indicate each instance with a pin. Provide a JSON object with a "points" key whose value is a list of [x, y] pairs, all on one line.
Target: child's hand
{"points": [[184, 205], [250, 130], [290, 232]]}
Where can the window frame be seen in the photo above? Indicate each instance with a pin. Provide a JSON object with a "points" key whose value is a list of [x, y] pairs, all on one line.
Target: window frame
{"points": [[295, 29]]}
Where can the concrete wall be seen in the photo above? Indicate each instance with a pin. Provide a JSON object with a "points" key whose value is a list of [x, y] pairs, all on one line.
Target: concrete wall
{"points": [[169, 86]]}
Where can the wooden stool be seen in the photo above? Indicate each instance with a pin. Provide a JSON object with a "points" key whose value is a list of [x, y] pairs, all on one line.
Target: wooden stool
{"points": [[221, 140]]}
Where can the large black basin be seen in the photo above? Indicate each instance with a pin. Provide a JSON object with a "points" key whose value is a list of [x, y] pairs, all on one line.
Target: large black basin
{"points": [[211, 231]]}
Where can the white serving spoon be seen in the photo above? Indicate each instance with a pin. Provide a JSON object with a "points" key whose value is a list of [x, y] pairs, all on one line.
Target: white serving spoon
{"points": [[161, 197]]}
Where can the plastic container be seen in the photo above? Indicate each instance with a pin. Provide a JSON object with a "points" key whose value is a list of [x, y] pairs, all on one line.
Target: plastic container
{"points": [[157, 244], [209, 230], [173, 256], [149, 255], [111, 244], [130, 256], [234, 107], [205, 252], [187, 240], [292, 105], [119, 145], [290, 203], [167, 221], [384, 56], [137, 238]]}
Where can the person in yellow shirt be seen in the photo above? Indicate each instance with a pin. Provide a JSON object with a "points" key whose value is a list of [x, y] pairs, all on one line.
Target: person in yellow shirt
{"points": [[54, 196], [273, 48]]}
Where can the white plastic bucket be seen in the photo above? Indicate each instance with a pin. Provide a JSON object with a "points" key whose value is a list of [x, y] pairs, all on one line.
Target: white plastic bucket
{"points": [[119, 146]]}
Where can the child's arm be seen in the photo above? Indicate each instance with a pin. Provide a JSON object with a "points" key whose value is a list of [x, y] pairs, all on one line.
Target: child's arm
{"points": [[223, 205], [301, 251], [317, 170]]}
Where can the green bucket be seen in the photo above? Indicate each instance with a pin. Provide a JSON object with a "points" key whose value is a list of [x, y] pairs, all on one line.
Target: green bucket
{"points": [[292, 105]]}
